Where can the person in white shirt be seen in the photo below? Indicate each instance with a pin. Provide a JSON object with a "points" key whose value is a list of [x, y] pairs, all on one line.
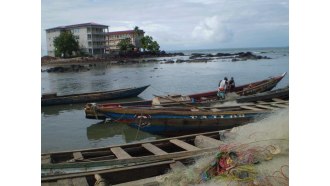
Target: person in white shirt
{"points": [[222, 87]]}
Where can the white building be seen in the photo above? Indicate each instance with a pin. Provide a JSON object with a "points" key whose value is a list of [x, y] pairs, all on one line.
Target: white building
{"points": [[113, 38], [90, 36]]}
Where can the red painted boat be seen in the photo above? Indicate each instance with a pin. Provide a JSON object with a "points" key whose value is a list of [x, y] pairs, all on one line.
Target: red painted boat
{"points": [[194, 99]]}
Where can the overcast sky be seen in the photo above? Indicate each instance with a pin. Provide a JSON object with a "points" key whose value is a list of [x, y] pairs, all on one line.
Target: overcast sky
{"points": [[180, 24]]}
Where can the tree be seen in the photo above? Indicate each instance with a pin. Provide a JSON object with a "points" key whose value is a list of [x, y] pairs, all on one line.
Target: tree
{"points": [[137, 31], [125, 45], [148, 43], [145, 42], [137, 37], [65, 44]]}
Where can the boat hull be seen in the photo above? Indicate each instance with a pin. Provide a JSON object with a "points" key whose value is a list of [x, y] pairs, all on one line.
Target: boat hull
{"points": [[90, 97], [199, 99], [174, 125]]}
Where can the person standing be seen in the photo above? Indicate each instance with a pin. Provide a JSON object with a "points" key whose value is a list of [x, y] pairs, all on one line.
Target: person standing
{"points": [[222, 87], [231, 84]]}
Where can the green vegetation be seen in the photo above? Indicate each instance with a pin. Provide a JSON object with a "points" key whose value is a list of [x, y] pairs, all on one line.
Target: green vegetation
{"points": [[65, 45], [125, 45], [149, 45]]}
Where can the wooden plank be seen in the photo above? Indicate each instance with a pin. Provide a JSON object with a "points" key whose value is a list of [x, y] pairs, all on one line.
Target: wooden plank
{"points": [[78, 156], [46, 159], [120, 153], [278, 100], [79, 181], [106, 171], [207, 142], [154, 149], [267, 107], [184, 145], [281, 105], [250, 108], [262, 102], [152, 181]]}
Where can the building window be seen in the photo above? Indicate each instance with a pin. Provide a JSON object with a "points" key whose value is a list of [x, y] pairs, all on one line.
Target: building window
{"points": [[89, 36]]}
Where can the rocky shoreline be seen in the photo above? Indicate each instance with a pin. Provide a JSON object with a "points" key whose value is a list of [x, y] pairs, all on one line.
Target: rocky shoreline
{"points": [[86, 63]]}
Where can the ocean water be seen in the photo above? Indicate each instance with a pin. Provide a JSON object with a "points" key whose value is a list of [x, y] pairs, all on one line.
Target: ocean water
{"points": [[64, 127]]}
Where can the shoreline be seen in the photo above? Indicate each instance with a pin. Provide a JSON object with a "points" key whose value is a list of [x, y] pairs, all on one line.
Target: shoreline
{"points": [[141, 57]]}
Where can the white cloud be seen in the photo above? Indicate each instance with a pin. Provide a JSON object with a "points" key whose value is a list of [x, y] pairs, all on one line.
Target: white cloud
{"points": [[181, 24], [212, 29]]}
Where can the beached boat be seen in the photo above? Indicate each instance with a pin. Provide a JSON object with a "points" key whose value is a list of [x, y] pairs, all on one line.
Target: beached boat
{"points": [[282, 93], [198, 99], [53, 99], [60, 165], [174, 121]]}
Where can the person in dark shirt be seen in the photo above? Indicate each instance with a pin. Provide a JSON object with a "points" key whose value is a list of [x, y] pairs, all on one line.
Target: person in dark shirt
{"points": [[231, 84]]}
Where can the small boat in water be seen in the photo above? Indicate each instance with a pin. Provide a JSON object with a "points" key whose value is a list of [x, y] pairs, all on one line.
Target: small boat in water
{"points": [[174, 121], [199, 99], [53, 99]]}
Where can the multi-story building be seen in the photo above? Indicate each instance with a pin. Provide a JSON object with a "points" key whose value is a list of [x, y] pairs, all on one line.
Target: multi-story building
{"points": [[90, 36], [113, 38]]}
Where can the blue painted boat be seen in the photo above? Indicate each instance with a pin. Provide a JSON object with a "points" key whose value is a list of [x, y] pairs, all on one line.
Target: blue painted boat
{"points": [[91, 109], [173, 121], [53, 99]]}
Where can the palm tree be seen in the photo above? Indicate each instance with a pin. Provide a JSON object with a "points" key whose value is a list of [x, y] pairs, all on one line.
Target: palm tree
{"points": [[137, 39]]}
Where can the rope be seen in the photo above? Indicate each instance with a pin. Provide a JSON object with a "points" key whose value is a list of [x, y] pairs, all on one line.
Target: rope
{"points": [[139, 125]]}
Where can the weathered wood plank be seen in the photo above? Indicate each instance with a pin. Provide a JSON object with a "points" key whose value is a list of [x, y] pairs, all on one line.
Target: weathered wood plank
{"points": [[281, 105], [120, 153], [80, 181], [153, 149], [250, 108], [78, 156], [278, 100], [184, 145], [267, 107], [46, 159], [262, 102], [152, 181], [206, 142]]}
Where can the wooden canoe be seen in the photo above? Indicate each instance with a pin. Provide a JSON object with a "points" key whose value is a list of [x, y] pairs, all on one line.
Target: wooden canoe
{"points": [[174, 121], [282, 93], [69, 164], [196, 99], [53, 99]]}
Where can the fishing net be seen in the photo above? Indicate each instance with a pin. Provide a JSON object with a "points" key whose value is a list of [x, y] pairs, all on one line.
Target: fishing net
{"points": [[255, 154]]}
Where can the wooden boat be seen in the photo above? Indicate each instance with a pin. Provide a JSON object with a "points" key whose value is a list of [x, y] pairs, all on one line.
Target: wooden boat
{"points": [[116, 160], [174, 121], [195, 99], [53, 99], [282, 93]]}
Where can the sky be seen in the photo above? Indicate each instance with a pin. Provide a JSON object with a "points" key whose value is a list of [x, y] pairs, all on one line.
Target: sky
{"points": [[180, 24]]}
